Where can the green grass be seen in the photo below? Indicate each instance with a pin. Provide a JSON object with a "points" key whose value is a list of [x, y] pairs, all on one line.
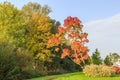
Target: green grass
{"points": [[75, 76]]}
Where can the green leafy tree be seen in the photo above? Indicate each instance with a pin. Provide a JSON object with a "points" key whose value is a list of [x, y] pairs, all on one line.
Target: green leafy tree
{"points": [[108, 60], [95, 58]]}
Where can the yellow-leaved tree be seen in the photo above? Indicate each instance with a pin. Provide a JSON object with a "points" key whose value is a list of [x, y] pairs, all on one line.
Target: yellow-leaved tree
{"points": [[37, 30], [12, 25]]}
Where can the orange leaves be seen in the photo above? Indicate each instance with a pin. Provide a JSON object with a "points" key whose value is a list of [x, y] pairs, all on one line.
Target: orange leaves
{"points": [[57, 49], [77, 58], [75, 55], [72, 21], [85, 56], [85, 41], [53, 42], [73, 35], [60, 30], [83, 49], [65, 53], [76, 45], [79, 47], [83, 35]]}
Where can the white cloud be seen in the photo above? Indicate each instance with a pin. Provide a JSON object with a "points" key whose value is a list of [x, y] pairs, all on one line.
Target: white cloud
{"points": [[104, 34]]}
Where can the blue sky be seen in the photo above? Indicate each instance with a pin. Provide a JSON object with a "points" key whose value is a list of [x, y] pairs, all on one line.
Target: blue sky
{"points": [[101, 19], [86, 10]]}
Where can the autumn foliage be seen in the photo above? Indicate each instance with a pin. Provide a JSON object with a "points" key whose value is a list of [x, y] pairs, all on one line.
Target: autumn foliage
{"points": [[72, 31]]}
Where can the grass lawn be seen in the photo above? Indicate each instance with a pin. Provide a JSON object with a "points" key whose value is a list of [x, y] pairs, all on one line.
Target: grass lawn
{"points": [[75, 76]]}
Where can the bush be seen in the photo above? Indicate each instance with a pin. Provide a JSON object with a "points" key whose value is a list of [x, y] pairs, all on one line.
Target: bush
{"points": [[117, 69], [60, 66], [98, 71], [8, 68], [39, 68], [24, 59], [15, 64]]}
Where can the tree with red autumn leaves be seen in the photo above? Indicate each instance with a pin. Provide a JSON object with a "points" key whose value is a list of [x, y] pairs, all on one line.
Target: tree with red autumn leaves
{"points": [[72, 30]]}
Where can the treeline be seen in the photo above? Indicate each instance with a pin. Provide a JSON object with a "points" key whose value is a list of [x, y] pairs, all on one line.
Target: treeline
{"points": [[24, 34], [23, 39], [109, 59]]}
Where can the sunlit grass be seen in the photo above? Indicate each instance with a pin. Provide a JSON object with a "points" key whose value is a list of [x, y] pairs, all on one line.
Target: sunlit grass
{"points": [[75, 76]]}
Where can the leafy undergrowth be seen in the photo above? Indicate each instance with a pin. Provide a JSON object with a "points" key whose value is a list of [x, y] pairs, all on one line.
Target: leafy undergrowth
{"points": [[75, 76]]}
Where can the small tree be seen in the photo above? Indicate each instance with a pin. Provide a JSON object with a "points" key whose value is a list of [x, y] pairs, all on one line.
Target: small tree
{"points": [[96, 59], [71, 32], [108, 60]]}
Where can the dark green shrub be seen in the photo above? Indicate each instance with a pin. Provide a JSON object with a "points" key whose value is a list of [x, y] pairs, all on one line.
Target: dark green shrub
{"points": [[8, 67], [98, 71], [39, 68], [15, 63], [24, 59], [69, 65], [59, 66]]}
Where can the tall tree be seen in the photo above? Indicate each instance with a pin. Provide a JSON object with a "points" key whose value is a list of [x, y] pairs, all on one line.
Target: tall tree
{"points": [[38, 29], [96, 58], [72, 30]]}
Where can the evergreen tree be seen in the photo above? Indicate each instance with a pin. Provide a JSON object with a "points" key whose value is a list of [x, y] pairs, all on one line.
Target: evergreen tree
{"points": [[96, 58], [108, 60]]}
